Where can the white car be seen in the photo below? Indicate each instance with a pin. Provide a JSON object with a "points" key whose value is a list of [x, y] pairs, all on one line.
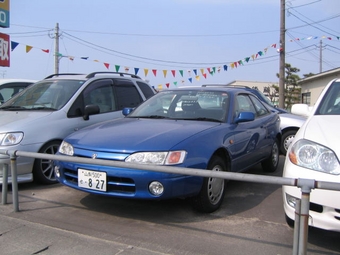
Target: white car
{"points": [[10, 87], [314, 154]]}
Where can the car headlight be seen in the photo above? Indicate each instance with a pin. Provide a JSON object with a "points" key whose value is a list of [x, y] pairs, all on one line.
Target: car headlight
{"points": [[157, 158], [314, 156], [66, 148], [11, 138]]}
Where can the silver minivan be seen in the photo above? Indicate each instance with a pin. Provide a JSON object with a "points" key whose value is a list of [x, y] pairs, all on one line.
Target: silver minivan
{"points": [[41, 116]]}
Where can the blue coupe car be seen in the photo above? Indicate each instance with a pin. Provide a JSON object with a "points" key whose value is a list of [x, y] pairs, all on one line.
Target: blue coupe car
{"points": [[220, 129]]}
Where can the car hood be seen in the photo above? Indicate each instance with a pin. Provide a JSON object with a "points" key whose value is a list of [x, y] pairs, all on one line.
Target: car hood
{"points": [[15, 120], [323, 130], [129, 134]]}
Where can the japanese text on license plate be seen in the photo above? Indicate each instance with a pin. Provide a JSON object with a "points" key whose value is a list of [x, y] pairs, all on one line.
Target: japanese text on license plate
{"points": [[92, 179]]}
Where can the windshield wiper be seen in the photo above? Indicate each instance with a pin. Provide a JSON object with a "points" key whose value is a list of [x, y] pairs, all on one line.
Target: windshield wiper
{"points": [[13, 107], [43, 108], [151, 117], [202, 119]]}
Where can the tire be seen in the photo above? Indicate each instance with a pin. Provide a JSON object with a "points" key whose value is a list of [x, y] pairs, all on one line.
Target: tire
{"points": [[287, 138], [289, 221], [43, 172], [212, 192], [270, 164]]}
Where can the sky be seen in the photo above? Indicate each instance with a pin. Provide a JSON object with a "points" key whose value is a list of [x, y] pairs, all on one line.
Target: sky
{"points": [[172, 43]]}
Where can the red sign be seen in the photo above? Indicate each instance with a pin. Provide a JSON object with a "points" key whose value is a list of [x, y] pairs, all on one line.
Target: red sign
{"points": [[4, 49]]}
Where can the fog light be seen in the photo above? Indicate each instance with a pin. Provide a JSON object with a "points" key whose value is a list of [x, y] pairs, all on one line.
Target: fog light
{"points": [[291, 200], [56, 171], [156, 188]]}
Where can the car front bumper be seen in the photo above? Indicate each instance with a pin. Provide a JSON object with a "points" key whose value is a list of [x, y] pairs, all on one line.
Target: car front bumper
{"points": [[131, 183], [324, 211]]}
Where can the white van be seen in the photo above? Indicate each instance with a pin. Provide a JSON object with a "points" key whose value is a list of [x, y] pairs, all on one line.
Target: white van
{"points": [[41, 116]]}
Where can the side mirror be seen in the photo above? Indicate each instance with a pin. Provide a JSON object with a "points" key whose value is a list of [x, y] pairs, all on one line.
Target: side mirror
{"points": [[301, 109], [90, 109], [126, 111], [244, 117]]}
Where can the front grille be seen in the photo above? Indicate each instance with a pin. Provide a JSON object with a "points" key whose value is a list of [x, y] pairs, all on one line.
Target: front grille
{"points": [[316, 207], [115, 184]]}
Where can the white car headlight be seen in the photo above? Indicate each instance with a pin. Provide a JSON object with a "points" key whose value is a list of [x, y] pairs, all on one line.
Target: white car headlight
{"points": [[66, 148], [314, 156], [11, 138], [157, 158]]}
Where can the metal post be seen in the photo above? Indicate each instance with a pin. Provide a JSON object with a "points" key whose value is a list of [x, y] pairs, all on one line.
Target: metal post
{"points": [[4, 184], [14, 182], [306, 186], [303, 235], [296, 226]]}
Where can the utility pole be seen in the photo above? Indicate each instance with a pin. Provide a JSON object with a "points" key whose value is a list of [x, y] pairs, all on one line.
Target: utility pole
{"points": [[320, 70], [282, 55], [56, 50]]}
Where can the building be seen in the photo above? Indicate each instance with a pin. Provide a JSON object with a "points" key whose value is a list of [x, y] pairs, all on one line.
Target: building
{"points": [[311, 87], [264, 87]]}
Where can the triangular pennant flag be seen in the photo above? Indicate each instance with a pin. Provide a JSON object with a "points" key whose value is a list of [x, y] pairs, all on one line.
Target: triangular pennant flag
{"points": [[28, 48], [232, 65], [202, 71], [164, 73], [175, 83], [146, 72], [47, 51], [71, 58], [154, 72], [274, 45], [260, 53], [117, 68], [240, 62], [85, 58], [204, 75], [160, 87], [127, 69], [189, 72], [214, 69], [253, 56], [247, 59], [197, 77], [195, 71], [225, 67], [190, 79], [96, 60], [208, 70], [173, 73], [181, 72], [167, 85], [14, 45], [59, 54], [136, 70], [107, 65]]}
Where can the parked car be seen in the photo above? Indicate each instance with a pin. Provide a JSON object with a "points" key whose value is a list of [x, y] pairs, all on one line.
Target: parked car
{"points": [[221, 129], [10, 87], [290, 123], [40, 117], [314, 154]]}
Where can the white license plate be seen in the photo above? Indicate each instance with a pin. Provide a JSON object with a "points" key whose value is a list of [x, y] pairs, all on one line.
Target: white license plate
{"points": [[92, 179]]}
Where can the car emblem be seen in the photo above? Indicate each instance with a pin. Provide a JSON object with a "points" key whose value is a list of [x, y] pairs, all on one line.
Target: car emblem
{"points": [[94, 156]]}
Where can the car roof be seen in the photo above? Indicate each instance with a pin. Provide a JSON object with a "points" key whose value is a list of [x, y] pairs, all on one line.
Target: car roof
{"points": [[79, 76], [5, 81]]}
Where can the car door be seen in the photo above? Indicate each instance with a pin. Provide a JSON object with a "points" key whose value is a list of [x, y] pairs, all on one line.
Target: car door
{"points": [[248, 136], [110, 95]]}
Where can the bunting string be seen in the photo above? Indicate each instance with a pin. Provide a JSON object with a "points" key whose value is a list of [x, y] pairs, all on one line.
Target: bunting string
{"points": [[192, 73]]}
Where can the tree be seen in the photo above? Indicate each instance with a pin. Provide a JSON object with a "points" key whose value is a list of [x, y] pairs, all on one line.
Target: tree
{"points": [[292, 89]]}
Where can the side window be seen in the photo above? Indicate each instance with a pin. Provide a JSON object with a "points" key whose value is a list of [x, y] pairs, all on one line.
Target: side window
{"points": [[243, 104], [261, 110], [146, 89], [126, 95], [100, 93]]}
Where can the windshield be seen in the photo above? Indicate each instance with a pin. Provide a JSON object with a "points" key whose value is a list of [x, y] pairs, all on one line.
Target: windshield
{"points": [[44, 95], [185, 104], [330, 104]]}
